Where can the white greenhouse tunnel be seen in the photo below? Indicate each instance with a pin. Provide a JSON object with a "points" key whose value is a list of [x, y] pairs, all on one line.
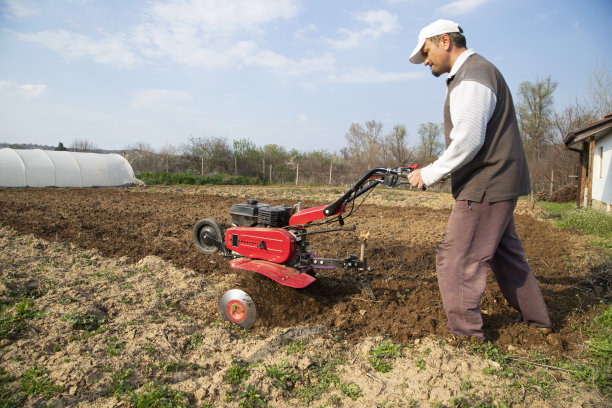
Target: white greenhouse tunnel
{"points": [[49, 168]]}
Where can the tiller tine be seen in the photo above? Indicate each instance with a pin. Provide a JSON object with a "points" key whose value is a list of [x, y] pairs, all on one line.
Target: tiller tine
{"points": [[365, 282], [284, 275], [363, 238]]}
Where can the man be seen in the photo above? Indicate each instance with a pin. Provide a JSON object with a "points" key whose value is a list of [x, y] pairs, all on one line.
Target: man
{"points": [[488, 171]]}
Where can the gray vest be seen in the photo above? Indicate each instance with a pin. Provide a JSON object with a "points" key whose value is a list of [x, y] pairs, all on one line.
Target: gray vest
{"points": [[499, 169]]}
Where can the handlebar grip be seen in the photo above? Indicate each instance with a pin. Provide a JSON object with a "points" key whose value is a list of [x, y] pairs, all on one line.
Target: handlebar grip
{"points": [[333, 207]]}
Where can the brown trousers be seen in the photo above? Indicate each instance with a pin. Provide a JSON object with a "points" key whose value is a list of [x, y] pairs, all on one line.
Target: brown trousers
{"points": [[479, 236]]}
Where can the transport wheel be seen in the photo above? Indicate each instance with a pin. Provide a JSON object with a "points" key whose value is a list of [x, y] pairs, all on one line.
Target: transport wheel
{"points": [[208, 236], [238, 307]]}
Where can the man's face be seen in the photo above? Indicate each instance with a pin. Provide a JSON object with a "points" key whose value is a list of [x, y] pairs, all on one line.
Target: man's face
{"points": [[436, 56]]}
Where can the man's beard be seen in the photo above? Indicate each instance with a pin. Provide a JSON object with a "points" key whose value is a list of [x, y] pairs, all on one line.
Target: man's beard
{"points": [[435, 73]]}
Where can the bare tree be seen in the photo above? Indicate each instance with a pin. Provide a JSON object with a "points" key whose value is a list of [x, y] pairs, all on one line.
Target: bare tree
{"points": [[83, 145], [570, 119], [142, 157], [396, 142], [534, 110], [209, 155], [365, 145], [430, 146], [601, 89], [559, 164], [355, 138], [373, 143], [247, 158]]}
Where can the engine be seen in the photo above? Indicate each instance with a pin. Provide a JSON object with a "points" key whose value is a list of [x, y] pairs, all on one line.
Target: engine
{"points": [[258, 232], [254, 214]]}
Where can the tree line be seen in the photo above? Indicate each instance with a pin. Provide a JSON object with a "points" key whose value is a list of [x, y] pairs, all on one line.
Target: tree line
{"points": [[542, 128]]}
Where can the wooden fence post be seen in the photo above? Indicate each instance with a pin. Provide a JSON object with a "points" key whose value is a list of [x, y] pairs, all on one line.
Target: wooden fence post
{"points": [[297, 174], [331, 164], [552, 182]]}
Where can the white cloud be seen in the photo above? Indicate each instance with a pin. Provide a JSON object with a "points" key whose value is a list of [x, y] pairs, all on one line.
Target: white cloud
{"points": [[459, 7], [19, 8], [160, 100], [289, 67], [379, 22], [26, 91], [213, 34], [110, 50], [218, 16], [363, 75], [303, 32]]}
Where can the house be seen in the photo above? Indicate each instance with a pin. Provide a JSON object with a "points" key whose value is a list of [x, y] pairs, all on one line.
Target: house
{"points": [[594, 143]]}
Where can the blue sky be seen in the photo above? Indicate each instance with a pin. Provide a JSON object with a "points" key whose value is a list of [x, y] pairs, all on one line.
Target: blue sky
{"points": [[295, 73]]}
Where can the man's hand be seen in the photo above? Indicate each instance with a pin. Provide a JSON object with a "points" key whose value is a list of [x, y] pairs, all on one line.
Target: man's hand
{"points": [[415, 179]]}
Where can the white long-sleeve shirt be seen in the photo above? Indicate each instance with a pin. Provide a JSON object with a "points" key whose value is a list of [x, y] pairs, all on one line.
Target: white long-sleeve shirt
{"points": [[471, 107]]}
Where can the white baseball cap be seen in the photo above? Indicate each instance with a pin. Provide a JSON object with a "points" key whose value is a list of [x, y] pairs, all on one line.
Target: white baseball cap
{"points": [[438, 27]]}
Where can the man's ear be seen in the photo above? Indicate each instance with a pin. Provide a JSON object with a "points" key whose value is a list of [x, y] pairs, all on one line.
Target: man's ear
{"points": [[446, 42]]}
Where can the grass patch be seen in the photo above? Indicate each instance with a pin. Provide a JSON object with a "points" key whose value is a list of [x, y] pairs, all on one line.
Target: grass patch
{"points": [[113, 346], [535, 373], [120, 383], [317, 380], [12, 325], [33, 382], [83, 320], [597, 370], [237, 373], [251, 398], [382, 356], [157, 395], [283, 376], [295, 347], [584, 220], [191, 179], [351, 390]]}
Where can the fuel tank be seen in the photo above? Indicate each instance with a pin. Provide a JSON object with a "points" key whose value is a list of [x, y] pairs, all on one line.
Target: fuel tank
{"points": [[271, 244]]}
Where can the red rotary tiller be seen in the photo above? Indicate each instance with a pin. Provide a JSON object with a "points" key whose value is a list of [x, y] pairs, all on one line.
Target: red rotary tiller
{"points": [[272, 240]]}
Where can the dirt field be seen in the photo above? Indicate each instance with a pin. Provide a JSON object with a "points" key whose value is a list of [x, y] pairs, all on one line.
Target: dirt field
{"points": [[126, 256]]}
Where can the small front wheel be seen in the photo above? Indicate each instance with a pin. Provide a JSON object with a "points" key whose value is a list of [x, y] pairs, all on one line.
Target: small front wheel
{"points": [[208, 236]]}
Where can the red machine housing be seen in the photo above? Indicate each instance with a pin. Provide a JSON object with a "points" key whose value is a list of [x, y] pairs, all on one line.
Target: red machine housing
{"points": [[271, 244], [311, 214]]}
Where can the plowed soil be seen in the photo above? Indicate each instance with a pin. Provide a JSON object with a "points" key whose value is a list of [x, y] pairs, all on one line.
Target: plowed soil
{"points": [[403, 232]]}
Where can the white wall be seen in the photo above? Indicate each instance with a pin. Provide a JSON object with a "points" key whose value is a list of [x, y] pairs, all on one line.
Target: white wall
{"points": [[602, 180]]}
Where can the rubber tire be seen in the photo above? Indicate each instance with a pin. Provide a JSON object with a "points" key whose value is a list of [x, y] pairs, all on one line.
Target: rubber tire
{"points": [[213, 228]]}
